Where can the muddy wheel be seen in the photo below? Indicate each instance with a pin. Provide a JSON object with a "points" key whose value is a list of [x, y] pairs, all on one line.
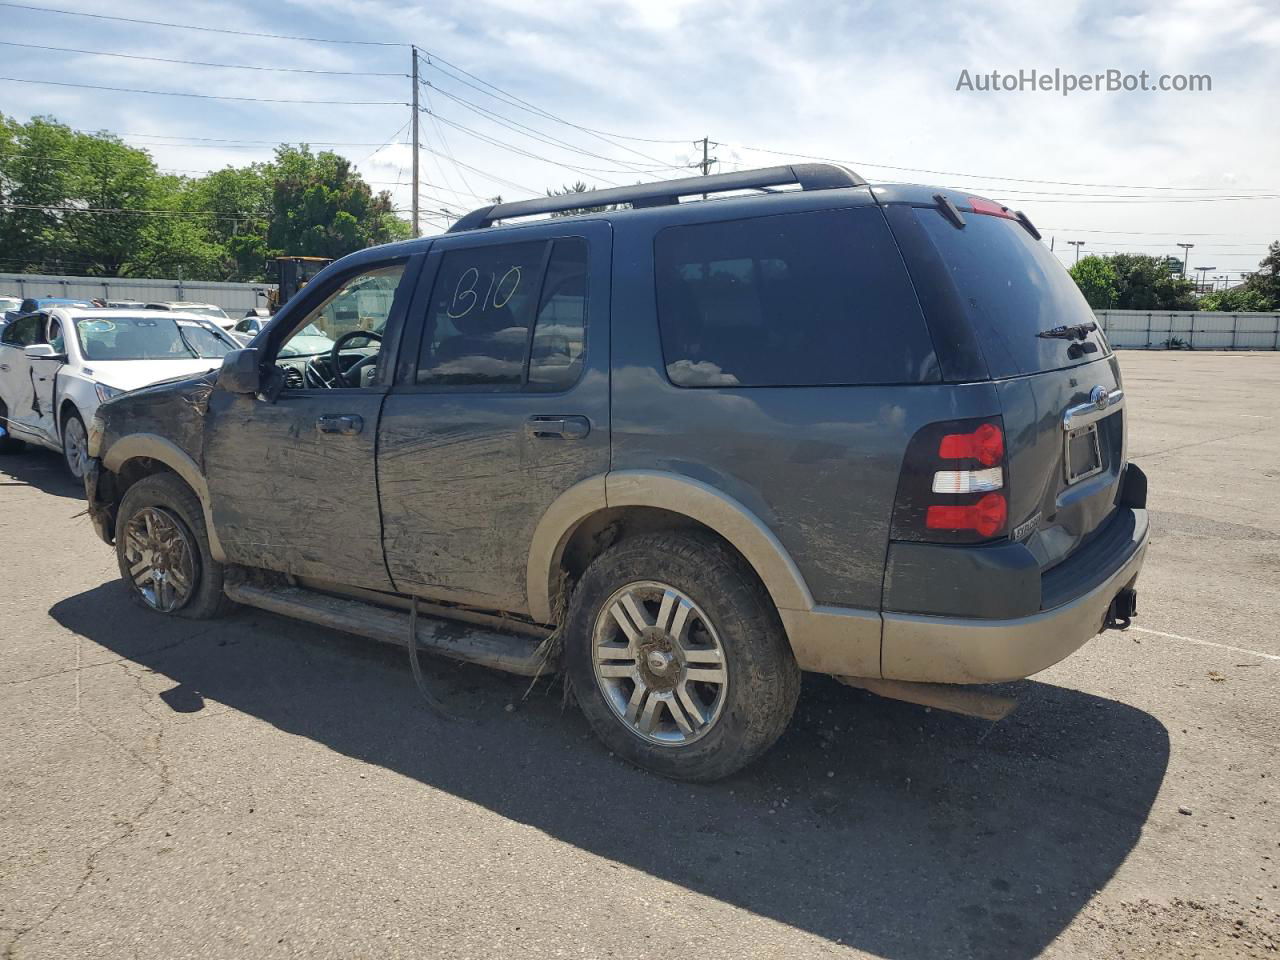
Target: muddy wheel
{"points": [[677, 657], [163, 551]]}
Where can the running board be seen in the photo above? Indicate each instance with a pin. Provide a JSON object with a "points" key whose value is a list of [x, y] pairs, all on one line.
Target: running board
{"points": [[450, 638]]}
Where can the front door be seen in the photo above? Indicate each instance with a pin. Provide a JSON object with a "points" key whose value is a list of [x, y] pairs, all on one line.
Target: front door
{"points": [[292, 481], [501, 403], [22, 377]]}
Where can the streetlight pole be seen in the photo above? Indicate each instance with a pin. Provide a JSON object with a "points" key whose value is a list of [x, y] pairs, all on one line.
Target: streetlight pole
{"points": [[1203, 271], [1077, 244], [1186, 249]]}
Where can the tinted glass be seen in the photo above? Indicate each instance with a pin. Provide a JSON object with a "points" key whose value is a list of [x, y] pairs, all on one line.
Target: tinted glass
{"points": [[1011, 287], [481, 309], [21, 333], [149, 338], [798, 299], [559, 335]]}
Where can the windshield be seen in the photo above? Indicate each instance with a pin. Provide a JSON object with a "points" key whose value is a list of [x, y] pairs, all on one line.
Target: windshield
{"points": [[149, 338]]}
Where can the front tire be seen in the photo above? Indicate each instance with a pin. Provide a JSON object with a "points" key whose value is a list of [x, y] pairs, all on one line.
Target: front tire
{"points": [[163, 550], [75, 444], [677, 657]]}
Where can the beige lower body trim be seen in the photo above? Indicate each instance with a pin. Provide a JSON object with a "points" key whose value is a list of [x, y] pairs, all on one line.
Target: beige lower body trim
{"points": [[955, 650], [834, 640]]}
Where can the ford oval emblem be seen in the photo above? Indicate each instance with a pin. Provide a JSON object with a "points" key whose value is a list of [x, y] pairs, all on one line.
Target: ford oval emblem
{"points": [[1100, 397]]}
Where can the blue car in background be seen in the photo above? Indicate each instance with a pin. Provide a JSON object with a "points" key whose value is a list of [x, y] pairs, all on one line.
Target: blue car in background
{"points": [[32, 304]]}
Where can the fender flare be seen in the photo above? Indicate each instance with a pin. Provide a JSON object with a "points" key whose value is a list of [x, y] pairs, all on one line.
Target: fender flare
{"points": [[165, 451], [679, 494]]}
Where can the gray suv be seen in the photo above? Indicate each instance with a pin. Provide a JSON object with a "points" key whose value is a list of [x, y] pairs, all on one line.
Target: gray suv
{"points": [[681, 451]]}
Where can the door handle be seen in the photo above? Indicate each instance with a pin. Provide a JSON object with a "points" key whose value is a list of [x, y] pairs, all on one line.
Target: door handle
{"points": [[3, 367], [347, 424], [564, 428]]}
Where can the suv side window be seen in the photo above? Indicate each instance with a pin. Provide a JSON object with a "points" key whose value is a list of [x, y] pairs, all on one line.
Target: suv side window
{"points": [[800, 299], [509, 315]]}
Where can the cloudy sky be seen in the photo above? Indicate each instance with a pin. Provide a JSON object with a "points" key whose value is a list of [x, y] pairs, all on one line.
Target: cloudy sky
{"points": [[537, 94]]}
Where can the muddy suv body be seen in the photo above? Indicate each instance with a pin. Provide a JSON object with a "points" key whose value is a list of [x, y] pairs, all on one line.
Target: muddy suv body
{"points": [[687, 448]]}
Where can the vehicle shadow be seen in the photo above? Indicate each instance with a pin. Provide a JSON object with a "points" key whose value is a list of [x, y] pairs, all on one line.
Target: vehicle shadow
{"points": [[40, 468], [906, 833]]}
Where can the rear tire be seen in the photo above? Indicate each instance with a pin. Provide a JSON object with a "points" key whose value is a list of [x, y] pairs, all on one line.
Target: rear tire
{"points": [[163, 550], [680, 619], [8, 444]]}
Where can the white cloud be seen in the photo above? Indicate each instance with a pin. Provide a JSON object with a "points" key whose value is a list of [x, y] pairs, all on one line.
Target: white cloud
{"points": [[860, 80]]}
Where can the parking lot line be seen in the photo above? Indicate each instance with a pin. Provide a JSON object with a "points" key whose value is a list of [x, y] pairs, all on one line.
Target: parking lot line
{"points": [[1207, 643]]}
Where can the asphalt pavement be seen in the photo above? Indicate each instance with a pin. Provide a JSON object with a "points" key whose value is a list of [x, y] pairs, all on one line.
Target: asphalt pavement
{"points": [[256, 787]]}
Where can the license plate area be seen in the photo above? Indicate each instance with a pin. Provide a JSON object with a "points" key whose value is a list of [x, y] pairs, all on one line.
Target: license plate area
{"points": [[1081, 453]]}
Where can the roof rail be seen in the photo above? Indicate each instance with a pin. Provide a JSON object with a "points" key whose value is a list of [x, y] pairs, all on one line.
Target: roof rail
{"points": [[810, 176]]}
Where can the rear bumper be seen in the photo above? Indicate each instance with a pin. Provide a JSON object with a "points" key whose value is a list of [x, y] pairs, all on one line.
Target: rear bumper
{"points": [[966, 650]]}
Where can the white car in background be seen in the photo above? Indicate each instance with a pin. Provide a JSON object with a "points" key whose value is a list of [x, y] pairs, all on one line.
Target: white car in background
{"points": [[210, 311], [57, 365]]}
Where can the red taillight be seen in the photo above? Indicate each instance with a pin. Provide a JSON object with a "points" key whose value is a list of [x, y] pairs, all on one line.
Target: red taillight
{"points": [[990, 208], [986, 517], [986, 445]]}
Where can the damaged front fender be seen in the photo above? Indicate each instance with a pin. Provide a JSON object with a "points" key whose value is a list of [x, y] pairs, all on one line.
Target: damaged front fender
{"points": [[102, 509]]}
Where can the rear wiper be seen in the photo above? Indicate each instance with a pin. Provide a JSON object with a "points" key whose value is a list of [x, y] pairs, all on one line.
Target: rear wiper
{"points": [[1070, 331]]}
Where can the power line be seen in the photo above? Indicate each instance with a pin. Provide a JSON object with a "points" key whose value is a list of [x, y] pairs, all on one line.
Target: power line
{"points": [[201, 63], [188, 26], [512, 100], [976, 176], [502, 144], [209, 96], [531, 132]]}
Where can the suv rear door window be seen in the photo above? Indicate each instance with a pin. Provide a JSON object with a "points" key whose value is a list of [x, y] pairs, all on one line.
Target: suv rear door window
{"points": [[510, 315], [801, 299], [1012, 288]]}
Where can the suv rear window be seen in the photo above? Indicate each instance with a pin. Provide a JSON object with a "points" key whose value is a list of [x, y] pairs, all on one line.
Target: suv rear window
{"points": [[1011, 288], [802, 299]]}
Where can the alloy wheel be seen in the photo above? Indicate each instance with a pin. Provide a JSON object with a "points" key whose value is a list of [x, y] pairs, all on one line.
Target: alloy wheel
{"points": [[75, 446], [659, 663], [161, 559]]}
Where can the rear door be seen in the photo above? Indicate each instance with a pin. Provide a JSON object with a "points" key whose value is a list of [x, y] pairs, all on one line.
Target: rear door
{"points": [[1060, 390], [501, 404]]}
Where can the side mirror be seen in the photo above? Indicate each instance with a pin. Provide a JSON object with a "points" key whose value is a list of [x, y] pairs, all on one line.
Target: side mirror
{"points": [[240, 372], [42, 351]]}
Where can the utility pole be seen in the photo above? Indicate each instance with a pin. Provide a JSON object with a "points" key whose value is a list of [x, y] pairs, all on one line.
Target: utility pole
{"points": [[707, 160], [1077, 244], [1186, 249], [413, 51]]}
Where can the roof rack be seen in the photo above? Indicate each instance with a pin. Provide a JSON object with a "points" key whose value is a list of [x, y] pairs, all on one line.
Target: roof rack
{"points": [[809, 176]]}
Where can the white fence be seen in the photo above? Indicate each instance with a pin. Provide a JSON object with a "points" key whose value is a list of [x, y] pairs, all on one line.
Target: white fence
{"points": [[235, 298], [1157, 330]]}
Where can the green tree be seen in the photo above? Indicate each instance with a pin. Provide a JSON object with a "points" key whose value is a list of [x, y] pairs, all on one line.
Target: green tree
{"points": [[1236, 300], [321, 208], [568, 190], [1097, 280], [1266, 281], [1145, 283]]}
